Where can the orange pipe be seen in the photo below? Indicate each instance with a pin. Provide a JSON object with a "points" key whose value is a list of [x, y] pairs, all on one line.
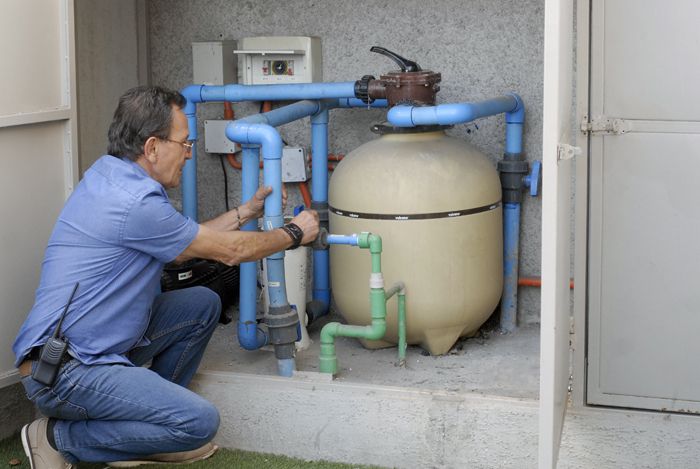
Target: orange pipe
{"points": [[267, 106], [536, 282], [230, 157], [306, 195]]}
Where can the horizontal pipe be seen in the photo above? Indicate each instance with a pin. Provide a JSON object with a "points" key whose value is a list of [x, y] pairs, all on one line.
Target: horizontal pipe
{"points": [[296, 91], [285, 114], [537, 282], [342, 239], [354, 102], [457, 113]]}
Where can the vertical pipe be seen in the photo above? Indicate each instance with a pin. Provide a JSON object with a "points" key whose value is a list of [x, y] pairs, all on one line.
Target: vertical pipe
{"points": [[189, 172], [511, 241], [512, 169], [280, 312], [319, 202], [401, 320], [249, 335]]}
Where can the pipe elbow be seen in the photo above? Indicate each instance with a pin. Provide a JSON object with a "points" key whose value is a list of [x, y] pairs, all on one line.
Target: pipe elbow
{"points": [[270, 140], [237, 131], [401, 116], [517, 115], [256, 133], [251, 337], [329, 333], [377, 330], [193, 95], [375, 244]]}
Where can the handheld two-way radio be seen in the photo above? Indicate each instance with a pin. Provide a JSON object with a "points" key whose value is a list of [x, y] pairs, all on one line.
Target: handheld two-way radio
{"points": [[53, 351]]}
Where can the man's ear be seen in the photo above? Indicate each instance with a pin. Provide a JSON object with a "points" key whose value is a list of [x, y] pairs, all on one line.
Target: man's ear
{"points": [[150, 149]]}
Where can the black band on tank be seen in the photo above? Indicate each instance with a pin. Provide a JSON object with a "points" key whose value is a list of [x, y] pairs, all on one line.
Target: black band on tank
{"points": [[414, 216]]}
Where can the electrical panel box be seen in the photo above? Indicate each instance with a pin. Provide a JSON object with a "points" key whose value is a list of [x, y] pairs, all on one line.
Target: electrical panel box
{"points": [[215, 140], [294, 167], [214, 63], [279, 60]]}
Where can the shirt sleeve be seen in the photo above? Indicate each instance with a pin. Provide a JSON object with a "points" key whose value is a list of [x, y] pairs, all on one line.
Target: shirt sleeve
{"points": [[153, 226]]}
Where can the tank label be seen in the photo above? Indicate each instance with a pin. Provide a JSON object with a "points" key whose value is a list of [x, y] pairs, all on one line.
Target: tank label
{"points": [[415, 216]]}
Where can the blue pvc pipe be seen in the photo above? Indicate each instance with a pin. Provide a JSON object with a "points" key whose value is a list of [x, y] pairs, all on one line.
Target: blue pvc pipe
{"points": [[514, 127], [319, 193], [511, 242], [250, 336], [351, 240], [189, 172], [290, 92], [354, 102], [258, 130], [450, 114], [286, 114]]}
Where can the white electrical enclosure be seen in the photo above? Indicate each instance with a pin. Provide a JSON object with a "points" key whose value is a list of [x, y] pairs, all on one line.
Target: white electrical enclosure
{"points": [[294, 168], [213, 63], [279, 59], [215, 140]]}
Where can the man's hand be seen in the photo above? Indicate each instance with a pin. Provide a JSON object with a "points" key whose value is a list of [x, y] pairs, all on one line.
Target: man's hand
{"points": [[256, 204], [308, 222]]}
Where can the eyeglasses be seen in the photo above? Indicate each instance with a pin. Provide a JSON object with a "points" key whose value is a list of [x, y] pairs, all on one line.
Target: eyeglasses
{"points": [[187, 144]]}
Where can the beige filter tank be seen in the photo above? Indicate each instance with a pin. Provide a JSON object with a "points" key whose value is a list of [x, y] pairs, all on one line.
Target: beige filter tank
{"points": [[436, 202]]}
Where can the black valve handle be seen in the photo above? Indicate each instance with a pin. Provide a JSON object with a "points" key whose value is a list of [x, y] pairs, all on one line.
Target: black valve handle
{"points": [[405, 64]]}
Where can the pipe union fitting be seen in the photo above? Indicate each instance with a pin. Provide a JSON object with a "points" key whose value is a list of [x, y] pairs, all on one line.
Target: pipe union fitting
{"points": [[376, 280]]}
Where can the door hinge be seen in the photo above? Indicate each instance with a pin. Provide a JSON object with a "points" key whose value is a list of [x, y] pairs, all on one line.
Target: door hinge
{"points": [[604, 125], [567, 152]]}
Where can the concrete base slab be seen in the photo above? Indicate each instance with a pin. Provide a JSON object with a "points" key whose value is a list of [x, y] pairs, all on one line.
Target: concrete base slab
{"points": [[489, 363], [318, 419], [475, 407]]}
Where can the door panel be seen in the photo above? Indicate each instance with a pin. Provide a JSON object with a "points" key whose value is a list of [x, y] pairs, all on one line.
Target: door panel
{"points": [[556, 229], [643, 210], [38, 135]]}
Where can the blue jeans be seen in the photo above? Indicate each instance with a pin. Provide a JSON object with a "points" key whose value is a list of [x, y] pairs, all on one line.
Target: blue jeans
{"points": [[118, 412]]}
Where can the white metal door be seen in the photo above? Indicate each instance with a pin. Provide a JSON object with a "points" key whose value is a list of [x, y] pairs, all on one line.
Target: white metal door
{"points": [[644, 217], [556, 227], [37, 138]]}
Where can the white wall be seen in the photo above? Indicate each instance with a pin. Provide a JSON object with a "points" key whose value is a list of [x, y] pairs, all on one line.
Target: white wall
{"points": [[37, 134]]}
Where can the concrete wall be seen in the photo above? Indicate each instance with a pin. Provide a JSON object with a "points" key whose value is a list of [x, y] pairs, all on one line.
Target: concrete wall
{"points": [[482, 48], [111, 43]]}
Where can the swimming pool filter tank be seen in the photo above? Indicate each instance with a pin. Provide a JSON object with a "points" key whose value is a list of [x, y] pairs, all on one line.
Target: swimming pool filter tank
{"points": [[436, 202]]}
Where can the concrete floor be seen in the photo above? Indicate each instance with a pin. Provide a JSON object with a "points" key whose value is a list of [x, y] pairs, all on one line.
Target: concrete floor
{"points": [[488, 364]]}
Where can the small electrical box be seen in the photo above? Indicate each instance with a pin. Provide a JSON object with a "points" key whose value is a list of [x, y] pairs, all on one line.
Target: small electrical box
{"points": [[279, 60], [215, 140], [214, 63], [294, 167]]}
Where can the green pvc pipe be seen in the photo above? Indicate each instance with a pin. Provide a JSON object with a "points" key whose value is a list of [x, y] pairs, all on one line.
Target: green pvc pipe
{"points": [[402, 327], [377, 298], [400, 288], [375, 331]]}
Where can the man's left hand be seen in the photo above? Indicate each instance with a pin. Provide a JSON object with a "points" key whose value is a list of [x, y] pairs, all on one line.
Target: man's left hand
{"points": [[256, 204]]}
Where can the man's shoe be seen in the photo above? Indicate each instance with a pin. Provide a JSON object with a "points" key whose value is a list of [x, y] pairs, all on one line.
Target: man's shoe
{"points": [[182, 457], [37, 448]]}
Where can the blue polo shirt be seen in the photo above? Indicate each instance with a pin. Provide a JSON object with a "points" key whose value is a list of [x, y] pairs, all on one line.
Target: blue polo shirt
{"points": [[114, 234]]}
